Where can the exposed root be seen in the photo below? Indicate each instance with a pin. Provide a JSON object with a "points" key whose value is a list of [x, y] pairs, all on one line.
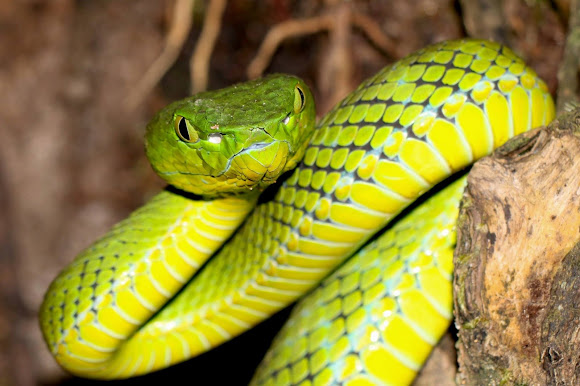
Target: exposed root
{"points": [[199, 63], [281, 32], [372, 30], [338, 18], [485, 19], [336, 75], [181, 23]]}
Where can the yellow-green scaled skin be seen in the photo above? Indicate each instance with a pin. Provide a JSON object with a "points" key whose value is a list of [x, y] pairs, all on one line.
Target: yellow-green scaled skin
{"points": [[96, 310], [402, 131], [376, 319]]}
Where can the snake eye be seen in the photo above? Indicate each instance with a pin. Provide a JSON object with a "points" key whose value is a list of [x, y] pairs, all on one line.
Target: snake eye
{"points": [[185, 130], [299, 99]]}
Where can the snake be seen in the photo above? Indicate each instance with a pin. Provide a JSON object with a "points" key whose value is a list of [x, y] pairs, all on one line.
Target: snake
{"points": [[343, 226]]}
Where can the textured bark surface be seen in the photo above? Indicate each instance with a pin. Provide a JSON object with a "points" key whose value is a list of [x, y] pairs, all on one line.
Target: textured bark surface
{"points": [[517, 262]]}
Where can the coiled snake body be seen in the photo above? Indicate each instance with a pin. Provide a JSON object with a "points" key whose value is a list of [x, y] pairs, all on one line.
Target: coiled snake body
{"points": [[376, 318]]}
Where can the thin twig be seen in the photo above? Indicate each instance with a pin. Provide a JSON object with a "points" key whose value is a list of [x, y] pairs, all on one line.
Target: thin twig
{"points": [[336, 77], [485, 19], [181, 23], [373, 32], [281, 32], [568, 72], [199, 63]]}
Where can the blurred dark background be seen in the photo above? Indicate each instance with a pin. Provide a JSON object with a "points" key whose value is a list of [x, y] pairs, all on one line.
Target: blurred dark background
{"points": [[71, 151]]}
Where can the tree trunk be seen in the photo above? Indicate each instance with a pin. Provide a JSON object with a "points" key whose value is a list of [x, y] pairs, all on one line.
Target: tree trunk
{"points": [[517, 262]]}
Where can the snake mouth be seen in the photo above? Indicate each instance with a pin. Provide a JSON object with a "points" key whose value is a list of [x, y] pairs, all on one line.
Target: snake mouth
{"points": [[261, 160], [242, 160], [257, 147]]}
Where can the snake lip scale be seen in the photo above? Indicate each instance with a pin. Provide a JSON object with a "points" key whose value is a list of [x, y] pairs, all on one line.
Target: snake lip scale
{"points": [[373, 310], [252, 147]]}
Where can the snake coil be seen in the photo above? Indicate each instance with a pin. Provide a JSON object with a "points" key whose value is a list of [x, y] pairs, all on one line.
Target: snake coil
{"points": [[111, 314]]}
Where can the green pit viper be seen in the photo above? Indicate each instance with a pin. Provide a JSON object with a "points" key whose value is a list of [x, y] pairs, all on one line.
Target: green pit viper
{"points": [[113, 313]]}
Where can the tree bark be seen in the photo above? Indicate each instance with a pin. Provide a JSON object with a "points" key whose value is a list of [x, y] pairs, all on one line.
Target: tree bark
{"points": [[517, 262]]}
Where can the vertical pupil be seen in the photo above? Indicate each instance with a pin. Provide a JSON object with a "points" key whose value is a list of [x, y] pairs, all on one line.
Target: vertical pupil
{"points": [[301, 96], [183, 130]]}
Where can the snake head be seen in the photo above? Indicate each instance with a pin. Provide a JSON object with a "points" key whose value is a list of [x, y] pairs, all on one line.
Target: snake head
{"points": [[233, 140]]}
